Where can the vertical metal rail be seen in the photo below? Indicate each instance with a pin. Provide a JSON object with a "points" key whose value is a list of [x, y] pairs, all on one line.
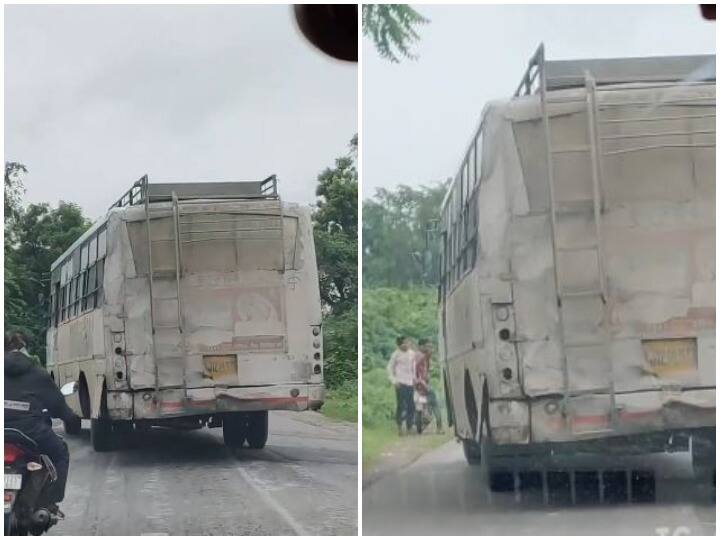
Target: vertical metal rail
{"points": [[178, 274], [597, 194], [146, 199], [540, 58], [595, 155]]}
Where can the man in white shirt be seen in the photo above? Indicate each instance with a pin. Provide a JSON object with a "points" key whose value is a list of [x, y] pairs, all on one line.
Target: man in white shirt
{"points": [[401, 370]]}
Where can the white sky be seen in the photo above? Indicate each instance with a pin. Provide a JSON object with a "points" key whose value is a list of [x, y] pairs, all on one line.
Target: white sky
{"points": [[97, 96], [418, 116]]}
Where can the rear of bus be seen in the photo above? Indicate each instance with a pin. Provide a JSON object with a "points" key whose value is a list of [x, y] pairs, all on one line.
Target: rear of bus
{"points": [[631, 369], [226, 319]]}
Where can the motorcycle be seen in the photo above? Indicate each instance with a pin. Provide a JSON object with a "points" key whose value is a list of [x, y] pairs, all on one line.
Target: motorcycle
{"points": [[28, 473], [423, 414]]}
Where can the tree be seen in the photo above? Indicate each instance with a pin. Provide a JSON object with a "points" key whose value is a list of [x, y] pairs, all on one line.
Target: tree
{"points": [[398, 250], [13, 190], [15, 306], [34, 237], [392, 29], [335, 225], [335, 222]]}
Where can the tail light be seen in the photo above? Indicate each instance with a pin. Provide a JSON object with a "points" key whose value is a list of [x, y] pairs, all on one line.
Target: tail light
{"points": [[12, 452]]}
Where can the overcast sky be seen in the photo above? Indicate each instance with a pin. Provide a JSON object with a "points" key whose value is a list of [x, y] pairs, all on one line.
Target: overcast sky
{"points": [[418, 116], [97, 96]]}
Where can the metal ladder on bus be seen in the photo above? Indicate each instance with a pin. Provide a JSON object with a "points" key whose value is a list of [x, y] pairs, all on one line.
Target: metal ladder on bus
{"points": [[177, 324], [559, 211]]}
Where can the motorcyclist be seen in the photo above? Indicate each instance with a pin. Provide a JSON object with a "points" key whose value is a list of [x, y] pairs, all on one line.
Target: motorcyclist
{"points": [[29, 390]]}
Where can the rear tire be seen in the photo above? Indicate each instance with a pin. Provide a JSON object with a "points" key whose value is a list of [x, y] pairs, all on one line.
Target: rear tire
{"points": [[101, 435], [472, 451], [257, 429], [234, 429], [703, 459], [73, 427]]}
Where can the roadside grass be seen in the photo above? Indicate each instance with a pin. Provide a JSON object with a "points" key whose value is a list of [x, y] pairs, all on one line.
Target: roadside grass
{"points": [[341, 403], [379, 434], [382, 441]]}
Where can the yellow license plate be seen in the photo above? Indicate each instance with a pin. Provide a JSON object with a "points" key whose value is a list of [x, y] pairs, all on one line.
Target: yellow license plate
{"points": [[668, 357], [220, 366]]}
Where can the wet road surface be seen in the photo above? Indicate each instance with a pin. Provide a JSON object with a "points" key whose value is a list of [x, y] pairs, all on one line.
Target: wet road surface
{"points": [[441, 495], [188, 483]]}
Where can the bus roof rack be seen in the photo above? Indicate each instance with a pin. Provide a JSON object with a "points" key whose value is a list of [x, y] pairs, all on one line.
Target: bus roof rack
{"points": [[561, 74], [159, 192]]}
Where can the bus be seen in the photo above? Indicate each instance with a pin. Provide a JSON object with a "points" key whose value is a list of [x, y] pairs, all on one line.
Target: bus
{"points": [[577, 289], [189, 305]]}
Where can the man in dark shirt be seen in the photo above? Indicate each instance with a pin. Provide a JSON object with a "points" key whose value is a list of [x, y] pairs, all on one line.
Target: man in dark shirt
{"points": [[29, 390], [422, 379]]}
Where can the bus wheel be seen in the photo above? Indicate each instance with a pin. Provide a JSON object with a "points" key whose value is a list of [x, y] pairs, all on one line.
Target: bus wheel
{"points": [[73, 427], [472, 451], [257, 432], [123, 432], [101, 434], [703, 459], [234, 429]]}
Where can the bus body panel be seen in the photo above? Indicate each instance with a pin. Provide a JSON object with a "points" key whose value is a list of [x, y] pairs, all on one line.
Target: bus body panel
{"points": [[251, 337], [658, 242]]}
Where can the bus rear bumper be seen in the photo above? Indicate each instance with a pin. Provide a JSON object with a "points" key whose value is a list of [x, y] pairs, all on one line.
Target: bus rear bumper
{"points": [[591, 418], [174, 403]]}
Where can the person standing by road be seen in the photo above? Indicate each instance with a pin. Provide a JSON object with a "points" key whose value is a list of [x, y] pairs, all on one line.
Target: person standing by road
{"points": [[401, 370]]}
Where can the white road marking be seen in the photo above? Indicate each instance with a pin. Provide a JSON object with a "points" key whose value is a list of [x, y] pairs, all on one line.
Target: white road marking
{"points": [[271, 501]]}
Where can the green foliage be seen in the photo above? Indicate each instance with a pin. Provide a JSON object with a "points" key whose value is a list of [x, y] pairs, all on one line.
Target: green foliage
{"points": [[335, 223], [400, 248], [399, 296], [341, 351], [388, 313], [13, 190], [34, 237], [392, 29], [378, 397], [341, 402]]}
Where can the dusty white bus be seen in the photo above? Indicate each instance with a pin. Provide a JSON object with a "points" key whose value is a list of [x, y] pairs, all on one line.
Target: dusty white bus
{"points": [[577, 299], [189, 305]]}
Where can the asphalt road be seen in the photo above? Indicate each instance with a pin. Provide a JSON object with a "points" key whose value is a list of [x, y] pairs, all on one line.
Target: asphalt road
{"points": [[188, 483], [441, 495]]}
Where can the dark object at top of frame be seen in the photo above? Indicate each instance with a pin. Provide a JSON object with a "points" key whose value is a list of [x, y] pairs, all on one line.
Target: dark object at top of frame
{"points": [[332, 28], [159, 192]]}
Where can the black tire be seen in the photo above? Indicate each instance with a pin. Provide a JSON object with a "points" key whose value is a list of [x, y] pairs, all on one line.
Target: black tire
{"points": [[472, 451], [101, 435], [703, 459], [257, 429], [123, 433], [234, 429], [73, 427]]}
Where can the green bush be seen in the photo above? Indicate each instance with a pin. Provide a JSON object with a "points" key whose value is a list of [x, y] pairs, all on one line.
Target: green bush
{"points": [[341, 402], [388, 313], [340, 337], [378, 398]]}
